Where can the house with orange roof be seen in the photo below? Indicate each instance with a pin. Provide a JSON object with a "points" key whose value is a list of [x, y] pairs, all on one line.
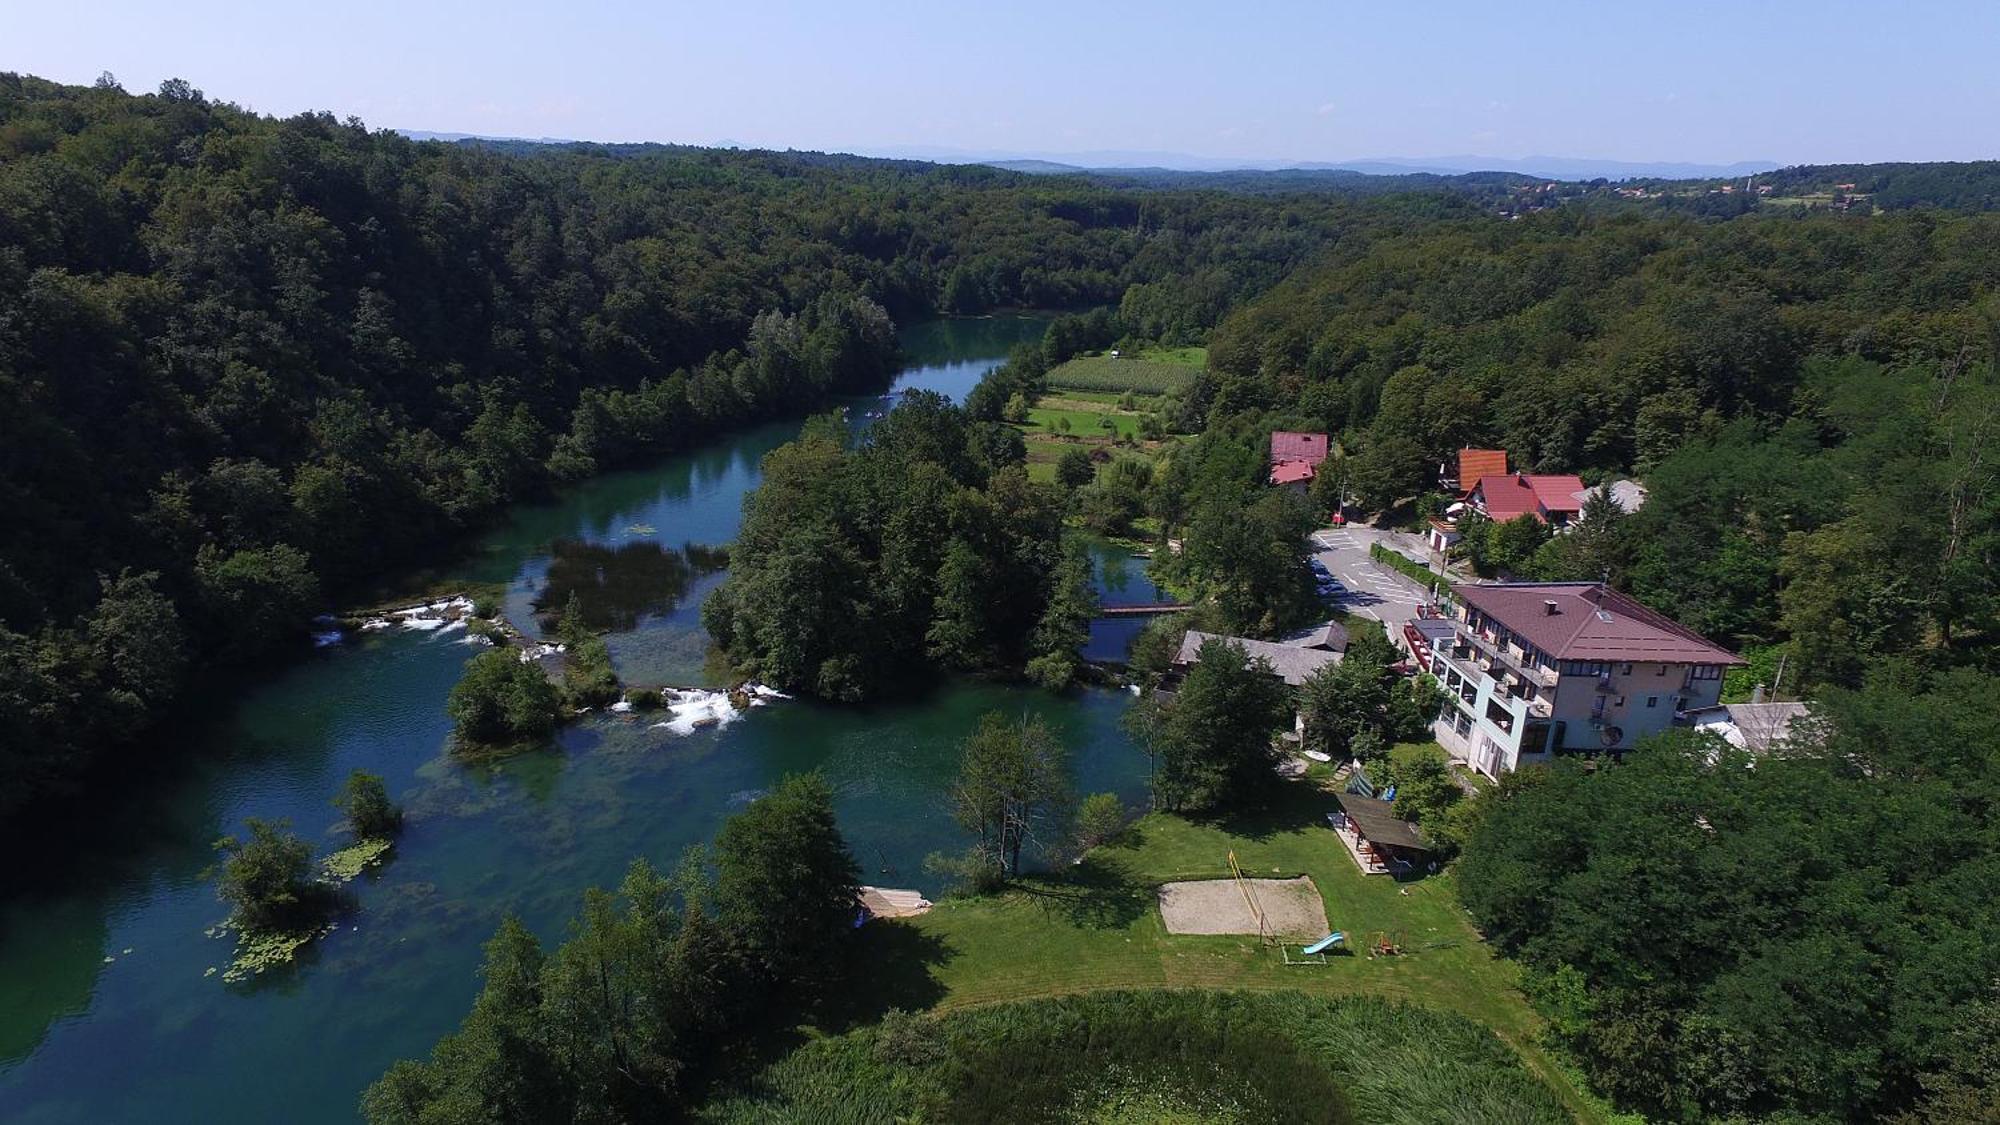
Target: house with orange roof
{"points": [[1469, 466]]}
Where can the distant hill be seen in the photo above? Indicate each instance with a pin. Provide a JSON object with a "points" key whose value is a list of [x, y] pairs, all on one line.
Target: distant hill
{"points": [[1541, 167], [1034, 167]]}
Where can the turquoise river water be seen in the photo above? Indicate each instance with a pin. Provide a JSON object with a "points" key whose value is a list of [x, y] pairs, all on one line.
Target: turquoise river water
{"points": [[107, 1011]]}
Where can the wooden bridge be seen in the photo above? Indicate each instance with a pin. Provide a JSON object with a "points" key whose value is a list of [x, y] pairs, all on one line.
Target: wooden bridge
{"points": [[1147, 610]]}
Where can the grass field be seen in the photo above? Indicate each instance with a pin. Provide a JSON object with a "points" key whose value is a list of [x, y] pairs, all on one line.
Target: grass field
{"points": [[1156, 372], [1164, 1057], [1082, 423], [1096, 927]]}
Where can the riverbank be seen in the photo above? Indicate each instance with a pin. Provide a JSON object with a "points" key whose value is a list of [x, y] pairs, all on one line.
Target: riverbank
{"points": [[523, 835]]}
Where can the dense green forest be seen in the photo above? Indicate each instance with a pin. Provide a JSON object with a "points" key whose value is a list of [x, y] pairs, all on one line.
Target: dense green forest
{"points": [[247, 364], [1715, 935], [863, 571], [1810, 399]]}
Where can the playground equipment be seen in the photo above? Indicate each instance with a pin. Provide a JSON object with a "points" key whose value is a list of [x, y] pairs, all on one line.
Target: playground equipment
{"points": [[1314, 954], [1264, 933], [1325, 943], [1385, 945]]}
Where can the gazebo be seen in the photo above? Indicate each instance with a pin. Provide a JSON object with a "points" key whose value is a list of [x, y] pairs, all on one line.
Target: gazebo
{"points": [[1380, 841]]}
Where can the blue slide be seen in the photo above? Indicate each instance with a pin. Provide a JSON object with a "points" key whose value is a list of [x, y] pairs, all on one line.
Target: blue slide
{"points": [[1320, 946]]}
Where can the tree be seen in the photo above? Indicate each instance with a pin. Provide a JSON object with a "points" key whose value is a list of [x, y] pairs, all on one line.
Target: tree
{"points": [[1064, 627], [364, 800], [785, 880], [502, 700], [588, 678], [1074, 468], [1099, 820], [1215, 742], [268, 879], [1012, 788], [257, 596], [1360, 706], [1248, 551], [1511, 544], [498, 1066], [1595, 548], [137, 632], [1425, 791]]}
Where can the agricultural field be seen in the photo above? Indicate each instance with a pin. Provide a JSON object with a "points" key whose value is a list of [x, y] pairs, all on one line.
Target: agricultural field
{"points": [[1156, 371]]}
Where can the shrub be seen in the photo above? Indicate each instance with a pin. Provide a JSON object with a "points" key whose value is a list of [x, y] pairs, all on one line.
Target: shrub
{"points": [[268, 879], [365, 801], [502, 700], [1100, 819]]}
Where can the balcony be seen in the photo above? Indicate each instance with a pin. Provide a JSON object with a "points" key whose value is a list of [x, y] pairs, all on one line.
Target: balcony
{"points": [[1488, 653]]}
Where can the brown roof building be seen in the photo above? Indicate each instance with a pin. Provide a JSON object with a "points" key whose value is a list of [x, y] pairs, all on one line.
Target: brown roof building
{"points": [[1538, 668]]}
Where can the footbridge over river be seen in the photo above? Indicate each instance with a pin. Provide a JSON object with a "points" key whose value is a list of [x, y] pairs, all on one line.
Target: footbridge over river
{"points": [[1148, 609]]}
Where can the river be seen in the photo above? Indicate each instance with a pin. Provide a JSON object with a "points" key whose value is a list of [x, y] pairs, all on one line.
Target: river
{"points": [[108, 1011]]}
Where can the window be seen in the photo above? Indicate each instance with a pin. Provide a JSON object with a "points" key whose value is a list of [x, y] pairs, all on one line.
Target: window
{"points": [[1625, 669], [1652, 701], [1706, 672], [1662, 672]]}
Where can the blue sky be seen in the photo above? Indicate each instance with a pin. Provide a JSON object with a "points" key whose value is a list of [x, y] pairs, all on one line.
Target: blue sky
{"points": [[1774, 80]]}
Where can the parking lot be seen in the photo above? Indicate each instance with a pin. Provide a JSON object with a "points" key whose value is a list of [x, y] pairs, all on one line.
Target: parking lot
{"points": [[1372, 590]]}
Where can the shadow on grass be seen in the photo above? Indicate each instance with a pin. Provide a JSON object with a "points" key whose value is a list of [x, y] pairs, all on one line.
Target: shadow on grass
{"points": [[889, 965], [1283, 807], [1093, 895]]}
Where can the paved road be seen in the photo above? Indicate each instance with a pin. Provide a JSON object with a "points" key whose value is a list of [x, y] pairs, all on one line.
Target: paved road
{"points": [[1373, 590]]}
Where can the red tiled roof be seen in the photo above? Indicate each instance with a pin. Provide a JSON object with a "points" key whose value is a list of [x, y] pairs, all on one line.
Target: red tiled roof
{"points": [[1289, 446], [1591, 622], [1512, 495], [1557, 491], [1506, 496], [1476, 463], [1291, 472]]}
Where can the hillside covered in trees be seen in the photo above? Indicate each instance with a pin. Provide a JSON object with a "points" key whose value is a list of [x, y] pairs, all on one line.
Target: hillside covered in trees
{"points": [[1811, 402], [248, 364], [1810, 399]]}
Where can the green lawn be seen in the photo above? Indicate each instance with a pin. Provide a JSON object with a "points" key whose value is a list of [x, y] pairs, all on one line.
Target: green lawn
{"points": [[1082, 423], [1097, 927], [1194, 356]]}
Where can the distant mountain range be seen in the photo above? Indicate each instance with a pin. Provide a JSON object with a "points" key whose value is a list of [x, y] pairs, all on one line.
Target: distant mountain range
{"points": [[1139, 161], [1548, 167]]}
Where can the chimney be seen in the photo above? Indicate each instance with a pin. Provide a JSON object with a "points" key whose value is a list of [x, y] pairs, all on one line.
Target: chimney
{"points": [[1549, 608]]}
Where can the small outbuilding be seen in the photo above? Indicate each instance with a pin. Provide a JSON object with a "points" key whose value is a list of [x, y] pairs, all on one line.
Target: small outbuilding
{"points": [[1380, 841]]}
